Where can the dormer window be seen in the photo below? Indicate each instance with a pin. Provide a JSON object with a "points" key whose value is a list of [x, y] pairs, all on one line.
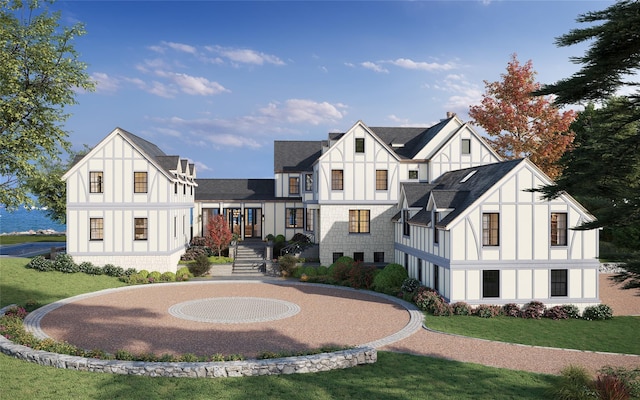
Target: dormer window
{"points": [[359, 145], [413, 174], [466, 146]]}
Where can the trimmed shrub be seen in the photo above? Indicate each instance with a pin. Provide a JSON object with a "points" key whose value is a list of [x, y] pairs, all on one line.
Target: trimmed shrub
{"points": [[279, 239], [192, 253], [571, 310], [154, 276], [64, 263], [390, 279], [288, 264], [599, 312], [511, 310], [168, 277], [183, 274], [201, 266], [112, 270], [322, 270], [427, 299], [361, 277], [130, 271], [410, 285], [310, 271], [134, 279], [198, 241], [339, 270], [461, 308], [88, 268], [487, 311], [533, 310], [40, 263], [556, 312], [144, 273]]}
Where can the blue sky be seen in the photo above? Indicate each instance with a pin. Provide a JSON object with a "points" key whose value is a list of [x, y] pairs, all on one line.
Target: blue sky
{"points": [[218, 82]]}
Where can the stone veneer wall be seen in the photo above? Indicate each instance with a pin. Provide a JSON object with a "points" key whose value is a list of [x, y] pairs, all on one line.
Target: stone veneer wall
{"points": [[289, 365], [335, 236]]}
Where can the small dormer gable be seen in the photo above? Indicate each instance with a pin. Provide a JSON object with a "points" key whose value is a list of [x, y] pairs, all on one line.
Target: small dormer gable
{"points": [[358, 142]]}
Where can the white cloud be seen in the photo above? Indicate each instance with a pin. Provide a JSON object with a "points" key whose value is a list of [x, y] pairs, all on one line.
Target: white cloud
{"points": [[303, 111], [374, 67], [196, 85], [246, 56], [423, 66], [105, 83], [160, 89], [185, 48], [227, 139]]}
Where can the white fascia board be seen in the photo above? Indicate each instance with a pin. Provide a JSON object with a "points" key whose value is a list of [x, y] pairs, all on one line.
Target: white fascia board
{"points": [[349, 132], [90, 154]]}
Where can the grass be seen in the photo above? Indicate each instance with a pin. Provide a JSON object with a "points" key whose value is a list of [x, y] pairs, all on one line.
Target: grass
{"points": [[18, 285], [615, 335], [393, 377], [15, 239]]}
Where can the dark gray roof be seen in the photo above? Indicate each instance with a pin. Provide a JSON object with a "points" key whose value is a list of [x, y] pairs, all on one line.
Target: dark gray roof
{"points": [[411, 139], [450, 192], [149, 148], [295, 155], [422, 217], [168, 163], [417, 193], [483, 179], [235, 189]]}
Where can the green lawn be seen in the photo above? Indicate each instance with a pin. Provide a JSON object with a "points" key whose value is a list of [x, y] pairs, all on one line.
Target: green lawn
{"points": [[19, 285], [393, 377], [15, 239], [615, 335]]}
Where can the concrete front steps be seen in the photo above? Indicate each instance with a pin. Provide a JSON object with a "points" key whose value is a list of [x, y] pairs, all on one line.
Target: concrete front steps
{"points": [[249, 259]]}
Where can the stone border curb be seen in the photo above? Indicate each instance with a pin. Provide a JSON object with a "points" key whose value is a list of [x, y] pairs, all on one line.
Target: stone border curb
{"points": [[364, 354]]}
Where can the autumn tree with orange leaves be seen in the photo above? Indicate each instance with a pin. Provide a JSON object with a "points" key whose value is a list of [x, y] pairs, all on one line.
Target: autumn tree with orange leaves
{"points": [[520, 124], [218, 234]]}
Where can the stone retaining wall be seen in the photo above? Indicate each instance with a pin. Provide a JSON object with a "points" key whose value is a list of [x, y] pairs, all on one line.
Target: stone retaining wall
{"points": [[289, 365]]}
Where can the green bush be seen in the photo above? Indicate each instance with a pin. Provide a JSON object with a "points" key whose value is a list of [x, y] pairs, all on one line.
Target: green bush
{"points": [[575, 384], [533, 310], [144, 273], [428, 299], [571, 310], [487, 311], [310, 271], [168, 277], [279, 239], [112, 270], [40, 263], [390, 279], [322, 270], [287, 264], [183, 274], [511, 310], [64, 263], [154, 276], [201, 266], [599, 312], [461, 308], [410, 285], [88, 268], [361, 277]]}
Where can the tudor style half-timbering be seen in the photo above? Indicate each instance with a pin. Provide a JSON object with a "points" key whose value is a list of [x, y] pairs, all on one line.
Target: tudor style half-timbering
{"points": [[129, 204], [483, 238]]}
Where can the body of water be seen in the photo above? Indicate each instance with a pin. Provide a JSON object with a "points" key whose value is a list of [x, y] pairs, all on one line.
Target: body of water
{"points": [[25, 220]]}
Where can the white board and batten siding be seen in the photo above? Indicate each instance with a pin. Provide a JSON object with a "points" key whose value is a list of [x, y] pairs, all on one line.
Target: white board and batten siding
{"points": [[169, 215]]}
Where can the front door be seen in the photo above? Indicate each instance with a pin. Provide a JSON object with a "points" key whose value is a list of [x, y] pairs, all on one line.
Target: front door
{"points": [[253, 223]]}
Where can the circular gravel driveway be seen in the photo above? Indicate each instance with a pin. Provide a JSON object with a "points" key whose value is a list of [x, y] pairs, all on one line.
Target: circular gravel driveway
{"points": [[226, 317]]}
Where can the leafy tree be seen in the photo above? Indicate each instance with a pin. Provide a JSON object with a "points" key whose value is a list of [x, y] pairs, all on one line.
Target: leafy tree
{"points": [[39, 76], [218, 234], [604, 167], [51, 191], [523, 125]]}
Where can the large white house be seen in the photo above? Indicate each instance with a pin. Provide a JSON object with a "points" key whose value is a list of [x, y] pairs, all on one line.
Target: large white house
{"points": [[437, 200], [129, 204]]}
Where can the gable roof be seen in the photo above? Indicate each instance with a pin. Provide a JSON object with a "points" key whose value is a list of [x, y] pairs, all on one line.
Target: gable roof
{"points": [[416, 193], [295, 155], [235, 189], [408, 141]]}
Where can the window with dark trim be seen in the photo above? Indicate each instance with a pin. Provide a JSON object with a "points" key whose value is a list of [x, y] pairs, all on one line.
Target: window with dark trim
{"points": [[175, 188], [406, 228], [558, 229], [378, 256], [336, 256], [381, 179], [466, 146], [491, 283], [294, 185], [337, 179], [309, 219], [490, 229], [358, 256], [436, 231], [95, 182], [420, 269], [436, 277], [308, 182], [413, 174], [140, 182], [559, 282], [406, 261], [359, 145], [184, 189], [96, 229], [141, 228], [295, 217], [358, 221]]}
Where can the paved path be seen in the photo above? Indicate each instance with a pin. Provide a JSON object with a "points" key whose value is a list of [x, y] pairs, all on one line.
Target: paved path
{"points": [[191, 318]]}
